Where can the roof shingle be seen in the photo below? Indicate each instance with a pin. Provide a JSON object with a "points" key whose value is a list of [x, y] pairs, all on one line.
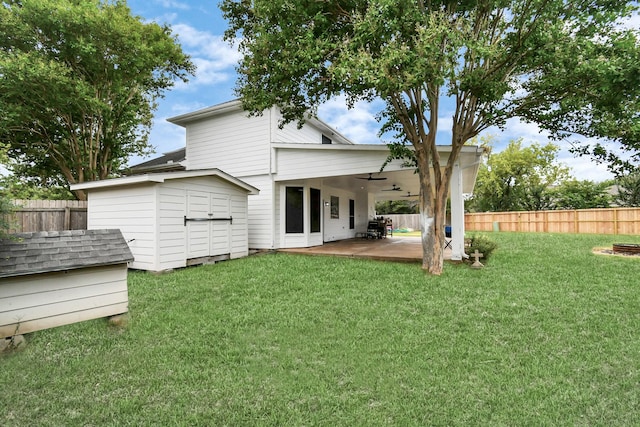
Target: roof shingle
{"points": [[48, 251]]}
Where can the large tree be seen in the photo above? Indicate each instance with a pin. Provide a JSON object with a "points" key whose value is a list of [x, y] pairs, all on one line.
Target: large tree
{"points": [[519, 178], [493, 59], [78, 84], [585, 194]]}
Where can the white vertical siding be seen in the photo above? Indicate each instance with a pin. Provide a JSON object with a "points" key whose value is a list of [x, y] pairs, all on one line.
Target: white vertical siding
{"points": [[133, 210], [240, 227], [232, 142], [171, 230]]}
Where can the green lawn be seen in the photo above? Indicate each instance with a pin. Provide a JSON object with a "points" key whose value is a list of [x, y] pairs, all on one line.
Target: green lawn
{"points": [[546, 334]]}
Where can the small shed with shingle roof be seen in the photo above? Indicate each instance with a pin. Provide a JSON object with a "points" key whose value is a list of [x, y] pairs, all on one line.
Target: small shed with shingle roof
{"points": [[55, 278]]}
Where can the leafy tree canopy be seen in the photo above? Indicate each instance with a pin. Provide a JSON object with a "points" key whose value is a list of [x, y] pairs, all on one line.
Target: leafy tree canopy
{"points": [[629, 190], [6, 207], [585, 194], [391, 207], [518, 179], [78, 85], [13, 188], [494, 59]]}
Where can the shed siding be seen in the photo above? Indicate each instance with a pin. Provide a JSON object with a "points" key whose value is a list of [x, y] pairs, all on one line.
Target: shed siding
{"points": [[133, 211], [240, 227], [232, 142], [171, 230], [40, 301]]}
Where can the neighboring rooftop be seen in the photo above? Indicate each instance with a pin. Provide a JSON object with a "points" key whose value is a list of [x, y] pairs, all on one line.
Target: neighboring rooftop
{"points": [[171, 161], [49, 251]]}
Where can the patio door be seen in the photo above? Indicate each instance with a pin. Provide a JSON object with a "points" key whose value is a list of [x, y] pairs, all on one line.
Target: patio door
{"points": [[208, 224]]}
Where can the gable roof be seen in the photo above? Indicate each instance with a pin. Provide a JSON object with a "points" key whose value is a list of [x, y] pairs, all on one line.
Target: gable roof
{"points": [[50, 251], [171, 161], [236, 105], [162, 177]]}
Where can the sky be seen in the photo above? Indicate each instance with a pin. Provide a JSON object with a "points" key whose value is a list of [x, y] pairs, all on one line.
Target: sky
{"points": [[199, 27]]}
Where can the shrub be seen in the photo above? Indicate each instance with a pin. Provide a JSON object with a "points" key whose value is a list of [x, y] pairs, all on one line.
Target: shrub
{"points": [[483, 244]]}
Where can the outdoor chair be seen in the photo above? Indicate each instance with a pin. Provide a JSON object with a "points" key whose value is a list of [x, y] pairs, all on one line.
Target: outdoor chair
{"points": [[447, 235]]}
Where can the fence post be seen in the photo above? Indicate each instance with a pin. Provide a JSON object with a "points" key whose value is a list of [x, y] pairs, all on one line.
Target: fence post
{"points": [[67, 218]]}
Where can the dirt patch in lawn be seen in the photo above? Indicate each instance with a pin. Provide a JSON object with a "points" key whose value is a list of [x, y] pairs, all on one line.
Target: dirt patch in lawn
{"points": [[609, 251]]}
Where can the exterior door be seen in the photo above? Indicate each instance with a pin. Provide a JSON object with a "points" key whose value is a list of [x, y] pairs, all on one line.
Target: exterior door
{"points": [[220, 242], [208, 226]]}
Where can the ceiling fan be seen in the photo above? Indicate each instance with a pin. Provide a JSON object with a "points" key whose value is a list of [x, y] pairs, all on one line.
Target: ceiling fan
{"points": [[410, 195], [371, 178], [393, 188]]}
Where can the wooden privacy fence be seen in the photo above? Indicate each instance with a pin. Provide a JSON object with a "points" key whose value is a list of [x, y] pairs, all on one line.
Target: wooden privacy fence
{"points": [[410, 221], [48, 215], [587, 221]]}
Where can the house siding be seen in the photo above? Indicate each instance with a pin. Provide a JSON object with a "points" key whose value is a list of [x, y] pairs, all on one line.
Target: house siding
{"points": [[232, 142], [338, 228], [46, 300], [260, 213], [301, 164], [291, 134]]}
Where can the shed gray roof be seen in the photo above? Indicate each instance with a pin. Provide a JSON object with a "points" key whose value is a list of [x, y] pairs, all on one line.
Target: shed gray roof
{"points": [[49, 251]]}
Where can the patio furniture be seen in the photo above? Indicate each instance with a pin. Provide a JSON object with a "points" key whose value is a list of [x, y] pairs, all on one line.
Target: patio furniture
{"points": [[447, 235]]}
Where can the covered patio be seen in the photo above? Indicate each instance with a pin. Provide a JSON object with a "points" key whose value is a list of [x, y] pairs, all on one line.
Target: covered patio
{"points": [[396, 248]]}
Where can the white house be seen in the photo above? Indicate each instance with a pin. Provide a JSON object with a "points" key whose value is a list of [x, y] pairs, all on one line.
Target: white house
{"points": [[315, 185]]}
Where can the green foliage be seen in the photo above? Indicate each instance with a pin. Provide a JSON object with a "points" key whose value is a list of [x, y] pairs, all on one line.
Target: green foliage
{"points": [[483, 244], [495, 60], [518, 179], [389, 207], [6, 209], [78, 84], [27, 189], [629, 190], [574, 194]]}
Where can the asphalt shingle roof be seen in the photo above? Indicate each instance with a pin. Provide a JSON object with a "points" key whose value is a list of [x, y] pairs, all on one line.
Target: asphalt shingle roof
{"points": [[48, 251]]}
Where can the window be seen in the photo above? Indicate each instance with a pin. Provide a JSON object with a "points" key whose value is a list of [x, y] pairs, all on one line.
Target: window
{"points": [[352, 214], [335, 207], [326, 140], [294, 210], [314, 210]]}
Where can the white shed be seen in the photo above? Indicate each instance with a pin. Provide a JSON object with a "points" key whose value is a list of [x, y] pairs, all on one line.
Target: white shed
{"points": [[173, 219]]}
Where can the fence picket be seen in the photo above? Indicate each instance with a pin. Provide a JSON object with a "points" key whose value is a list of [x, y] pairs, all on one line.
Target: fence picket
{"points": [[48, 215]]}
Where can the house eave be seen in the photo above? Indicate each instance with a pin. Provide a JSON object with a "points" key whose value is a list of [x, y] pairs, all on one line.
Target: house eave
{"points": [[162, 177]]}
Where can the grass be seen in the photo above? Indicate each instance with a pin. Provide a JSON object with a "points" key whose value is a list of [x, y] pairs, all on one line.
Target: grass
{"points": [[545, 334]]}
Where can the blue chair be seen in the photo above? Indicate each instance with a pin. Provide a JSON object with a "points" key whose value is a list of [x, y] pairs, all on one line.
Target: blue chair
{"points": [[447, 235]]}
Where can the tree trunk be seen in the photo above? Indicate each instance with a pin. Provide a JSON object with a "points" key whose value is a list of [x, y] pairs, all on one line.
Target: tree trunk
{"points": [[80, 195], [432, 213]]}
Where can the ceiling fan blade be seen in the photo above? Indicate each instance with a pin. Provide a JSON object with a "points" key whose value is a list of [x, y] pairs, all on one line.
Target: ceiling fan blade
{"points": [[371, 178]]}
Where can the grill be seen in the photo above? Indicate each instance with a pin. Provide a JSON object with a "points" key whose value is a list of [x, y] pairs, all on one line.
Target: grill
{"points": [[626, 248]]}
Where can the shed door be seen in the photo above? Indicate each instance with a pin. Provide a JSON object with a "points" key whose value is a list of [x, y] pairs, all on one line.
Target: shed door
{"points": [[208, 231]]}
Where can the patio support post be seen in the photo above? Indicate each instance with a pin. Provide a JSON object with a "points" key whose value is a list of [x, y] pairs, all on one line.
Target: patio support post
{"points": [[457, 214]]}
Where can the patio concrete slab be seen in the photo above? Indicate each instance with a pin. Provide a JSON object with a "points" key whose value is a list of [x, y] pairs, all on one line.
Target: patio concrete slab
{"points": [[396, 248]]}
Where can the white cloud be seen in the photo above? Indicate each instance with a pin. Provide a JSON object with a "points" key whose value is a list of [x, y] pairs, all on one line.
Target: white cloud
{"points": [[214, 58], [171, 4], [359, 124]]}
